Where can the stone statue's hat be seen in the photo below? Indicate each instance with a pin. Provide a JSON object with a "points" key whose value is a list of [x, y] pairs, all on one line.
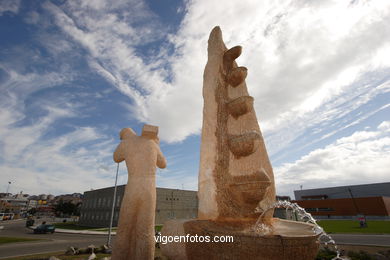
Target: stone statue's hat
{"points": [[150, 131]]}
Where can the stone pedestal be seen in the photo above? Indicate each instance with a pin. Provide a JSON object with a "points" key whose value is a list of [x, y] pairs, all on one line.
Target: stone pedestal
{"points": [[290, 240]]}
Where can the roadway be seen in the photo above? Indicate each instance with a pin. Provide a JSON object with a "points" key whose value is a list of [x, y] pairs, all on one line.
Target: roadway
{"points": [[52, 243], [61, 241]]}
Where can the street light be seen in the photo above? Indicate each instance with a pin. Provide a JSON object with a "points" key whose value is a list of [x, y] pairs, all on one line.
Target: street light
{"points": [[9, 183], [113, 208]]}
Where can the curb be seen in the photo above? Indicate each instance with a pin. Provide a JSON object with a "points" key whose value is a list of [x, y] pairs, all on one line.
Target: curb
{"points": [[85, 232]]}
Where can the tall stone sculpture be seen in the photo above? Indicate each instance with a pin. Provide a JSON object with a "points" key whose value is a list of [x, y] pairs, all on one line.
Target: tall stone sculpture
{"points": [[135, 234], [235, 173], [236, 182]]}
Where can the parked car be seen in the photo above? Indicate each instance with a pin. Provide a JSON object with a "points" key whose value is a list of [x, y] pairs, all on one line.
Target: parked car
{"points": [[44, 228]]}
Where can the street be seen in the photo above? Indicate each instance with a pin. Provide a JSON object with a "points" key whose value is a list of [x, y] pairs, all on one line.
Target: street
{"points": [[61, 241], [54, 243]]}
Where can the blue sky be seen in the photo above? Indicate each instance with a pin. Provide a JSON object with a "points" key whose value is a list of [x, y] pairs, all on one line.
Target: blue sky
{"points": [[74, 73]]}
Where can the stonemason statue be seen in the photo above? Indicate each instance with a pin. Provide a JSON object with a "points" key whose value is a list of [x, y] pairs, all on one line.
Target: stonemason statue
{"points": [[135, 234]]}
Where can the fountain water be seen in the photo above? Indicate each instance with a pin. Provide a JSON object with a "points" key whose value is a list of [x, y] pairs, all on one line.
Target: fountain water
{"points": [[266, 229]]}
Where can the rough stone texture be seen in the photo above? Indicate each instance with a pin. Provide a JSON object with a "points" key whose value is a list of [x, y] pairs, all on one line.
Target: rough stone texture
{"points": [[235, 176], [298, 241], [232, 145], [135, 234]]}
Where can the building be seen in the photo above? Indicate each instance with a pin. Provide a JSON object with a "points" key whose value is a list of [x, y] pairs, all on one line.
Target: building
{"points": [[370, 200], [15, 204], [170, 204], [74, 198]]}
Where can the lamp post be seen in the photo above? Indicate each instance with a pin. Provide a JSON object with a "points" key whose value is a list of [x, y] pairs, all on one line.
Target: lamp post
{"points": [[113, 208], [9, 183]]}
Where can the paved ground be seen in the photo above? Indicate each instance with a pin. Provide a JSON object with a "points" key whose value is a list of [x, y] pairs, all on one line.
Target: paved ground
{"points": [[54, 243], [60, 241]]}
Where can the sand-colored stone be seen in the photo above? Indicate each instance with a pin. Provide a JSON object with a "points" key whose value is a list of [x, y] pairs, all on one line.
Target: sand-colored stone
{"points": [[232, 145], [297, 243], [235, 176], [135, 234]]}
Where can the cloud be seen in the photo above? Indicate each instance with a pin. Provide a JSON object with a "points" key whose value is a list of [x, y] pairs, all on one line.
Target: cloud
{"points": [[300, 55], [9, 6], [363, 157], [35, 160]]}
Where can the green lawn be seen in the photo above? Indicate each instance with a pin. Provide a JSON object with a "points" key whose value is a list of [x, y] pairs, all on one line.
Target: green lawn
{"points": [[6, 240], [352, 226], [71, 225], [75, 226]]}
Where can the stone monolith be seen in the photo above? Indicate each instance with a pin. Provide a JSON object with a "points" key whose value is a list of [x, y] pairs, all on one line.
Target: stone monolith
{"points": [[235, 174]]}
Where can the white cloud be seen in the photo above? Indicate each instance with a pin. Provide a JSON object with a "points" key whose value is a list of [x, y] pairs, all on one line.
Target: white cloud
{"points": [[37, 162], [300, 55], [9, 6], [363, 157]]}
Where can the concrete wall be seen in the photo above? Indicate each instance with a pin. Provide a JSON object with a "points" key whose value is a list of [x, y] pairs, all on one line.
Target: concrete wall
{"points": [[170, 204]]}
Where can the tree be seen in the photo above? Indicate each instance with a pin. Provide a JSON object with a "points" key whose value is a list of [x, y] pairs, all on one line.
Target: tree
{"points": [[67, 209], [32, 211]]}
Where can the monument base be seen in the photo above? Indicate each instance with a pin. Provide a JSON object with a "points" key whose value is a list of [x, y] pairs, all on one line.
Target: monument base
{"points": [[289, 240]]}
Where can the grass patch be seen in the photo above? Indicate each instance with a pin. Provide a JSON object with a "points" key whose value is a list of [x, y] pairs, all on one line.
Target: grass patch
{"points": [[158, 228], [75, 226], [352, 226], [6, 240], [71, 225]]}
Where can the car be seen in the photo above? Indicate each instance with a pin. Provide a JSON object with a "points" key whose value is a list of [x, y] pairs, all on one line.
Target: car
{"points": [[44, 228]]}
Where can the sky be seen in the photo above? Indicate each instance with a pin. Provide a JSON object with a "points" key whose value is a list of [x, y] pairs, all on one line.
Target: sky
{"points": [[74, 73]]}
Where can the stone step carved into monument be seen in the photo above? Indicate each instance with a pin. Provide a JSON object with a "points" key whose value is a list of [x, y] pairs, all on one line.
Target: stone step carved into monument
{"points": [[229, 56], [240, 106], [236, 76], [244, 144], [251, 187]]}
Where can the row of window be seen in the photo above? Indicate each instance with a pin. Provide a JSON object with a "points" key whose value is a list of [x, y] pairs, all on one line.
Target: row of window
{"points": [[101, 202], [99, 216]]}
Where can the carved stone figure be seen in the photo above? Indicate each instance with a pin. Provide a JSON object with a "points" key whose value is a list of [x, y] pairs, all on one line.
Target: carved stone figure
{"points": [[135, 234]]}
